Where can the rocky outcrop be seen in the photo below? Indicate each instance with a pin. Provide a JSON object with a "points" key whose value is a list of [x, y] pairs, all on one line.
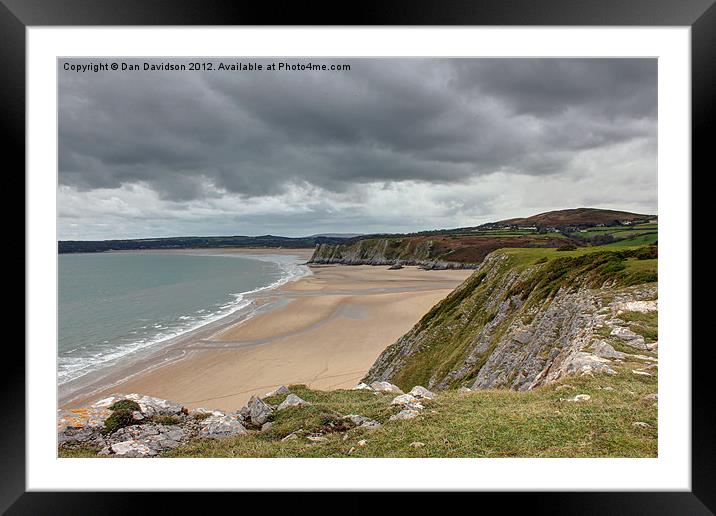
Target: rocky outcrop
{"points": [[159, 425], [519, 327], [395, 252], [259, 411]]}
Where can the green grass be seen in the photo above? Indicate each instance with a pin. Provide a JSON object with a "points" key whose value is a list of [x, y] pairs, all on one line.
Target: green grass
{"points": [[491, 423], [165, 420], [79, 452], [647, 239]]}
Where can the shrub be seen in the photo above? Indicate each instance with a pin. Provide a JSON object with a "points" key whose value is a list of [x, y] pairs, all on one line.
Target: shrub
{"points": [[542, 260], [119, 419], [201, 416], [125, 405], [567, 247]]}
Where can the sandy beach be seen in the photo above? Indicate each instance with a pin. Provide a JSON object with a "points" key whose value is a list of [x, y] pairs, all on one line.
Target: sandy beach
{"points": [[324, 330]]}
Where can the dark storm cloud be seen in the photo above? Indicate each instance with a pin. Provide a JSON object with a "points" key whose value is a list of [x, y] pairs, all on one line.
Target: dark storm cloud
{"points": [[189, 135]]}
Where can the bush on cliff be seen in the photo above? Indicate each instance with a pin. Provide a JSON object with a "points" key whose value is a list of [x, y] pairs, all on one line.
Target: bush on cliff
{"points": [[125, 405], [119, 419]]}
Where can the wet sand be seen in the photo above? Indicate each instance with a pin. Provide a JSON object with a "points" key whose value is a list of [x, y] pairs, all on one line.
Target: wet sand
{"points": [[325, 331]]}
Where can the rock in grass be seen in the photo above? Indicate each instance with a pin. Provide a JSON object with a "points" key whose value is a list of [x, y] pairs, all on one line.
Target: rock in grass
{"points": [[651, 397], [580, 397], [629, 337], [205, 412], [221, 426], [259, 411], [146, 440], [362, 387], [404, 399], [292, 401], [641, 424], [638, 306], [290, 437], [281, 390], [605, 350], [404, 414], [131, 449], [582, 363], [362, 421], [464, 390], [386, 388], [416, 405], [421, 392], [639, 372], [417, 444]]}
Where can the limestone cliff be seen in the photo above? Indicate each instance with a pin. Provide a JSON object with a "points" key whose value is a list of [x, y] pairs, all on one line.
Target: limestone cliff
{"points": [[527, 317], [435, 251], [386, 251]]}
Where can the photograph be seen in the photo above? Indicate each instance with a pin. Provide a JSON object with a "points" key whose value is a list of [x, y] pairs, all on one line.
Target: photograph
{"points": [[376, 257]]}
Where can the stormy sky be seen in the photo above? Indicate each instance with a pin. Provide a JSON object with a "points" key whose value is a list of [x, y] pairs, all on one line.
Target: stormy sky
{"points": [[390, 145]]}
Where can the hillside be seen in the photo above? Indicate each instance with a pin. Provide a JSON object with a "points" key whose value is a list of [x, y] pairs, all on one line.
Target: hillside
{"points": [[577, 217], [528, 317], [467, 247], [540, 353]]}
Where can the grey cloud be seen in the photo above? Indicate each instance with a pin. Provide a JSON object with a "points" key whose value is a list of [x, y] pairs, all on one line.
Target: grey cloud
{"points": [[392, 145], [258, 133]]}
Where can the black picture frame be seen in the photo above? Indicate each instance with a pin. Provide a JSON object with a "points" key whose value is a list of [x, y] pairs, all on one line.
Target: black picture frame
{"points": [[700, 15]]}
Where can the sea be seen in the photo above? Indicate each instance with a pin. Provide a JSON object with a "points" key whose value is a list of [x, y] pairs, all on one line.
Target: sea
{"points": [[115, 307]]}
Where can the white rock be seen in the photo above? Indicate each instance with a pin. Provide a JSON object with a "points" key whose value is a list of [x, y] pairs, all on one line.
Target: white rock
{"points": [[362, 443], [629, 337], [641, 424], [316, 438], [638, 306], [221, 426], [404, 414], [259, 411], [580, 397], [131, 449], [640, 373], [386, 387], [281, 390], [464, 390], [362, 387], [605, 350], [151, 406], [421, 392], [202, 411], [290, 437], [404, 399], [417, 444], [292, 401]]}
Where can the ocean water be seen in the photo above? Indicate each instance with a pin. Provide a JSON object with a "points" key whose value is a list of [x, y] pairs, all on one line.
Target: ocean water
{"points": [[116, 306]]}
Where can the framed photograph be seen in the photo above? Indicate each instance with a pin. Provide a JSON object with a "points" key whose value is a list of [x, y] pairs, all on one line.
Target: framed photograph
{"points": [[429, 248]]}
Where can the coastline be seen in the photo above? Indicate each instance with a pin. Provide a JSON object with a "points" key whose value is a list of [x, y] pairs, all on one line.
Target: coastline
{"points": [[323, 330]]}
